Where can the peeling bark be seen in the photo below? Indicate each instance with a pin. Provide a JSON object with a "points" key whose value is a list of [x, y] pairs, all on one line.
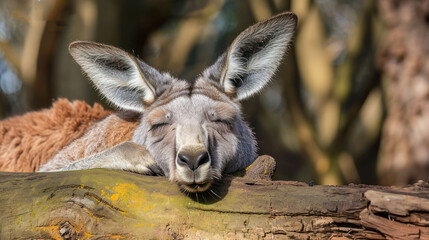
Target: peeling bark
{"points": [[106, 204]]}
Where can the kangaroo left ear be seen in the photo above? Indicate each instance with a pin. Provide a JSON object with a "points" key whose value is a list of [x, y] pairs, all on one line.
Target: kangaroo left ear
{"points": [[124, 80], [254, 56]]}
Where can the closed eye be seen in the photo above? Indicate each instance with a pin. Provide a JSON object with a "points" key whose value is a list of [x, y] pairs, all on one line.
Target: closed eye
{"points": [[158, 125], [223, 121], [215, 118]]}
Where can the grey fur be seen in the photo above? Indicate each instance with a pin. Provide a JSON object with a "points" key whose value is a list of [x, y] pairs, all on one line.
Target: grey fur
{"points": [[178, 116], [128, 156]]}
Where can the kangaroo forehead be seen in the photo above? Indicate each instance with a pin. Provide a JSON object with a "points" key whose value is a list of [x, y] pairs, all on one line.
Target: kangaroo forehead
{"points": [[190, 90], [192, 106], [195, 102]]}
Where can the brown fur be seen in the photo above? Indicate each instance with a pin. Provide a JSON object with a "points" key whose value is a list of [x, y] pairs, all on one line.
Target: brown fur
{"points": [[112, 131], [121, 130], [102, 135], [30, 140]]}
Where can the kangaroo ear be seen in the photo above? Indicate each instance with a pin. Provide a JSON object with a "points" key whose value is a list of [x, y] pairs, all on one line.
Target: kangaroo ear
{"points": [[124, 80], [254, 56]]}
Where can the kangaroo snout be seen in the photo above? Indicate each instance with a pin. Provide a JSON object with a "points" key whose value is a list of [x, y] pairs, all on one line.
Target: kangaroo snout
{"points": [[193, 163], [193, 157]]}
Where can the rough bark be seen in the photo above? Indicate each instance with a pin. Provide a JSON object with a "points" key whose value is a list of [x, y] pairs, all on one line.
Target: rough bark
{"points": [[106, 204], [404, 61]]}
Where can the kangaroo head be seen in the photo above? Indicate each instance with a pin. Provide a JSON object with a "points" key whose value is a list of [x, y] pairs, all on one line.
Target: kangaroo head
{"points": [[192, 129]]}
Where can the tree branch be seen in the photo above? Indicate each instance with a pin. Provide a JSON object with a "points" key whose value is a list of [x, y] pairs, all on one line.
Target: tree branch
{"points": [[99, 203]]}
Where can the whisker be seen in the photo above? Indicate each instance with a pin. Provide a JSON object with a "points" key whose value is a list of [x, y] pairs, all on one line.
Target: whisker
{"points": [[211, 190], [202, 194]]}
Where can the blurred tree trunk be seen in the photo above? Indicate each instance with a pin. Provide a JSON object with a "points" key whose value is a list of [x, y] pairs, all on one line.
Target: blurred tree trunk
{"points": [[47, 19], [404, 60], [328, 97], [105, 204]]}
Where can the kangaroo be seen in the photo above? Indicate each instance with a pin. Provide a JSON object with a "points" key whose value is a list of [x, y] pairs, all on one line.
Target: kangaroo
{"points": [[190, 131]]}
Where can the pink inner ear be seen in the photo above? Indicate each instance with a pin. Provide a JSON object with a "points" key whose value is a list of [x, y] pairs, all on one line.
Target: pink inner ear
{"points": [[225, 111]]}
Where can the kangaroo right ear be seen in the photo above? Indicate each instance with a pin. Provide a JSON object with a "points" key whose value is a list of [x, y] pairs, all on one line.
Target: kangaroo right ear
{"points": [[124, 80], [254, 56]]}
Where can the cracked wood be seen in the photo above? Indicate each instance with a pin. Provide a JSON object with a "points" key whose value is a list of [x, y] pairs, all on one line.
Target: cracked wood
{"points": [[108, 204]]}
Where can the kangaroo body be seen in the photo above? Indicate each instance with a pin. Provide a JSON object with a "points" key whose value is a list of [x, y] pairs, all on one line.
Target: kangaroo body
{"points": [[190, 131]]}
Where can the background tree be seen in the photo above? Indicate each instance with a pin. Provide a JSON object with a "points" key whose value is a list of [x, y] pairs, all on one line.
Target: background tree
{"points": [[404, 60]]}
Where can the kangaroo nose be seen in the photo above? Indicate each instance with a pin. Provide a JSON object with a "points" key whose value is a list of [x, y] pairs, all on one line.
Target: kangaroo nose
{"points": [[192, 160]]}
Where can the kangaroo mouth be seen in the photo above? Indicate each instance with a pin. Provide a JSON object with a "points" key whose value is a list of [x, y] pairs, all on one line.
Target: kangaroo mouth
{"points": [[196, 187]]}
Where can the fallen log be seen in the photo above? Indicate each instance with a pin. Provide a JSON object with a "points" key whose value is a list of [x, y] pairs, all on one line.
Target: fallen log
{"points": [[108, 204]]}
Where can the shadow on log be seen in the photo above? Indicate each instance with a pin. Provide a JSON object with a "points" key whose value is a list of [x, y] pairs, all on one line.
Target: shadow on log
{"points": [[107, 204]]}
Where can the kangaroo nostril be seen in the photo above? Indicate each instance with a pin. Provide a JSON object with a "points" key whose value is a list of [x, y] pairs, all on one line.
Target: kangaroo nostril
{"points": [[201, 159], [192, 160], [184, 160]]}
